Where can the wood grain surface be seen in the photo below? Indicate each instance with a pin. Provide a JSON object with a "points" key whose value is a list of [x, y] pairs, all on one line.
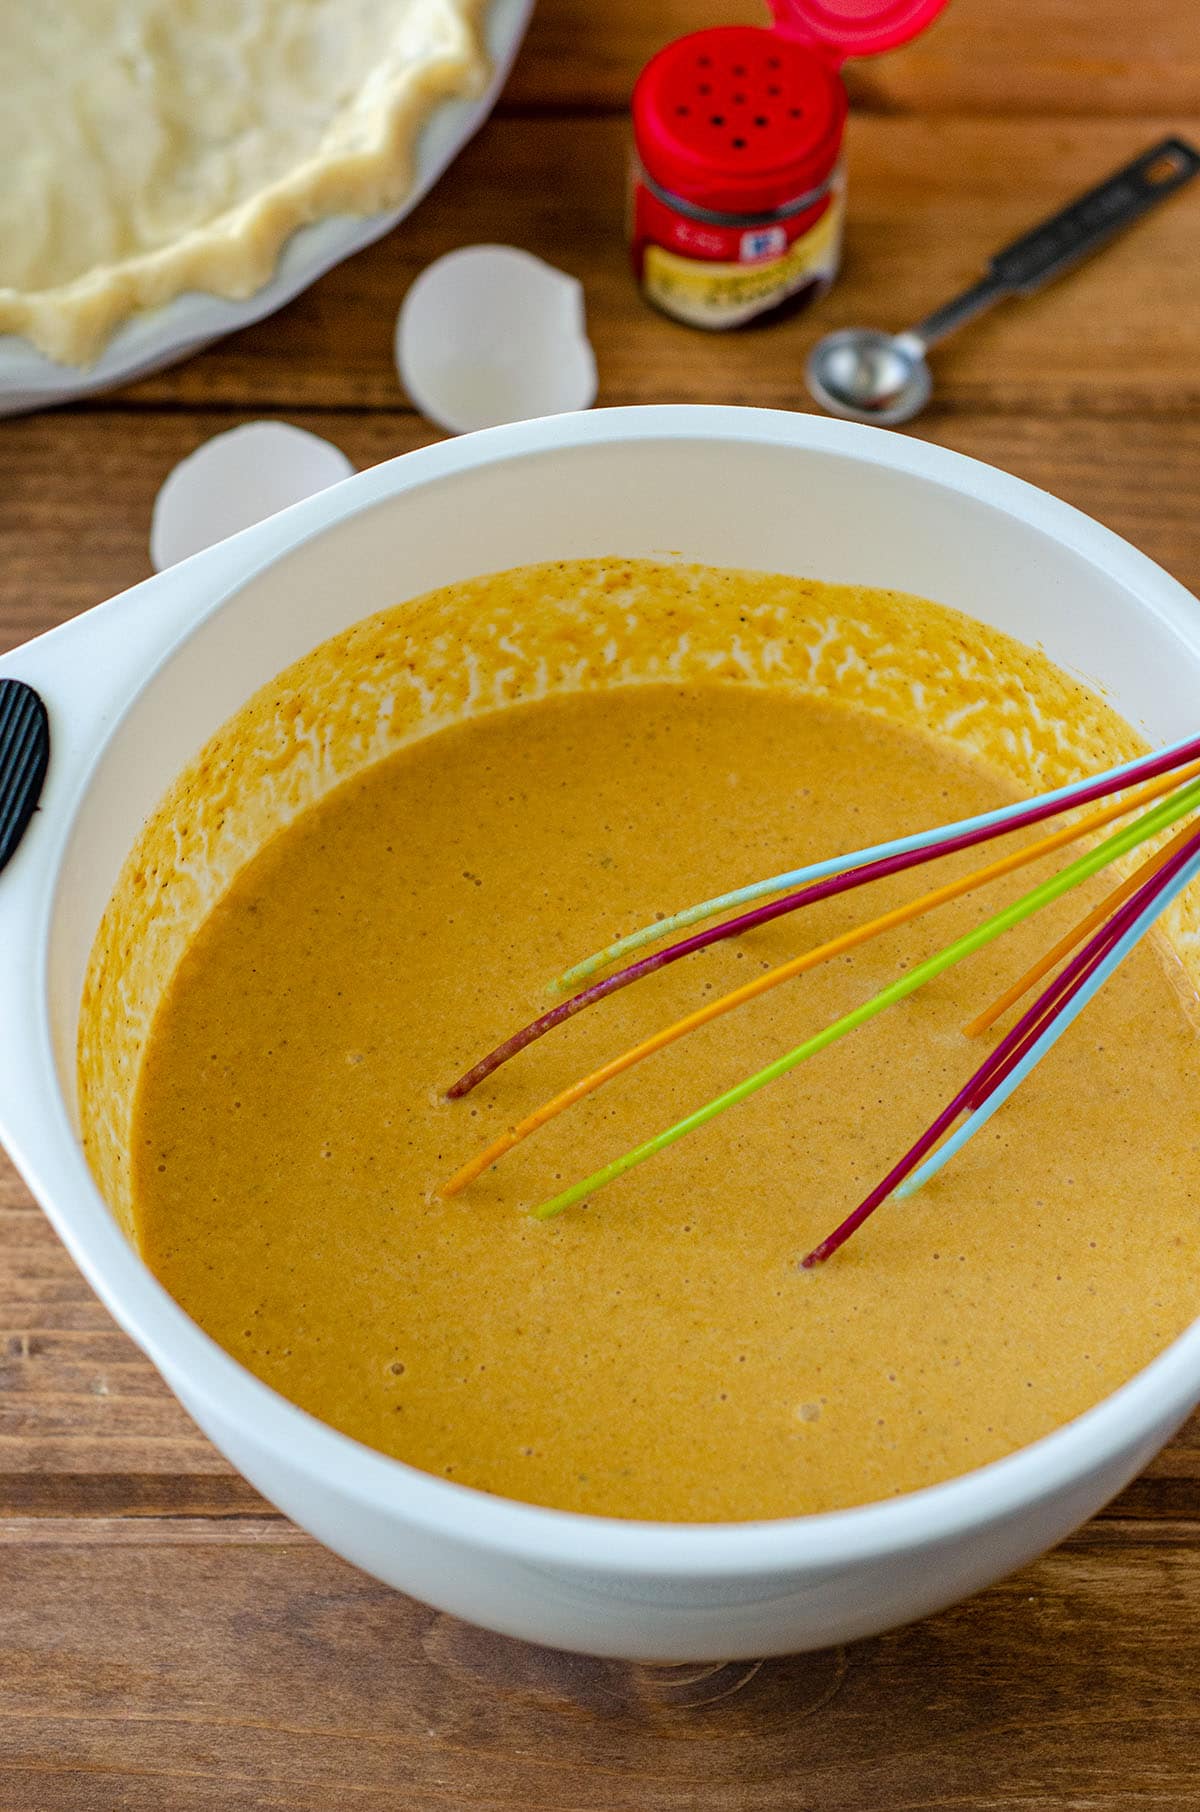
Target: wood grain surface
{"points": [[1091, 58], [167, 1641]]}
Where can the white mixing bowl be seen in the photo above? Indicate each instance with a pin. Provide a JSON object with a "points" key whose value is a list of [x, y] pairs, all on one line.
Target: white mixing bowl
{"points": [[137, 685]]}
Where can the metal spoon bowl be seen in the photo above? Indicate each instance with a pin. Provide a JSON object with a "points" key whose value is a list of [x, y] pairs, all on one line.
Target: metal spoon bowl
{"points": [[867, 376]]}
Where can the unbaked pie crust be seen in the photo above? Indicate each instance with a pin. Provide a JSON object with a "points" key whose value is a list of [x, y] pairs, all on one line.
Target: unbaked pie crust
{"points": [[148, 147]]}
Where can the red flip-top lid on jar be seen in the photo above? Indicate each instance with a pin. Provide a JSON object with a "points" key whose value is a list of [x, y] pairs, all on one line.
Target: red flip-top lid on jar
{"points": [[744, 119], [854, 28]]}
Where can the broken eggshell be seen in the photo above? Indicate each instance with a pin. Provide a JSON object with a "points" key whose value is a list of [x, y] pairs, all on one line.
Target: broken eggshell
{"points": [[490, 334], [236, 479]]}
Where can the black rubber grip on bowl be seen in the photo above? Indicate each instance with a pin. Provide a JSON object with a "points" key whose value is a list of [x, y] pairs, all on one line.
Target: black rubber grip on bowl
{"points": [[24, 758]]}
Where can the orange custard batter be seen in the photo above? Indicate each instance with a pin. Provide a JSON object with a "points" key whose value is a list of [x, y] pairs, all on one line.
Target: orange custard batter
{"points": [[658, 1353]]}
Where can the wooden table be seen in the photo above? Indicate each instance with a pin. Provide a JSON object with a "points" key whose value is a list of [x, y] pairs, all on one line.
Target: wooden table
{"points": [[167, 1641]]}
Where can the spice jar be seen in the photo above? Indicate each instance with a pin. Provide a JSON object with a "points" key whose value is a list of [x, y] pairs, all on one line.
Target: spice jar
{"points": [[738, 187]]}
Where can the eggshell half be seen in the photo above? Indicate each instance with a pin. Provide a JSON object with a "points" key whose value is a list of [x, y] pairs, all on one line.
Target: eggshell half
{"points": [[490, 334], [236, 479]]}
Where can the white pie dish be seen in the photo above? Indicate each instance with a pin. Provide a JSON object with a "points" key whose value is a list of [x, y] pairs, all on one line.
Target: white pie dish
{"points": [[135, 687], [162, 336]]}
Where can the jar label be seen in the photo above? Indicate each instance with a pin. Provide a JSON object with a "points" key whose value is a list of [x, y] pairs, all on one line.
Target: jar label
{"points": [[708, 293]]}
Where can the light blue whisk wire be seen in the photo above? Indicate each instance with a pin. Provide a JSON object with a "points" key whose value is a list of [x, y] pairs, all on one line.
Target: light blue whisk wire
{"points": [[818, 871], [1053, 1032]]}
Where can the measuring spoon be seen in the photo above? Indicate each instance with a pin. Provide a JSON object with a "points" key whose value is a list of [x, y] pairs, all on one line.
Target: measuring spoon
{"points": [[865, 375]]}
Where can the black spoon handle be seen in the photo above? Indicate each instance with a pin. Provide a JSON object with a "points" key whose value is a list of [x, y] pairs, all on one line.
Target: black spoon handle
{"points": [[1067, 237], [1095, 218]]}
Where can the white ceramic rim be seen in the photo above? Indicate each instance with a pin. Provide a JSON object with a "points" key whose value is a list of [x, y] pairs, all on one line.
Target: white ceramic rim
{"points": [[155, 337], [211, 1378]]}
